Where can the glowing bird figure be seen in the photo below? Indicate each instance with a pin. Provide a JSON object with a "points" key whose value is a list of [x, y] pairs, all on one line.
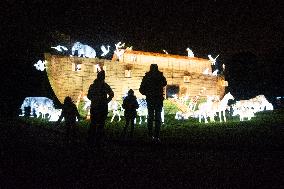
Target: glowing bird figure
{"points": [[165, 51], [60, 48], [105, 50]]}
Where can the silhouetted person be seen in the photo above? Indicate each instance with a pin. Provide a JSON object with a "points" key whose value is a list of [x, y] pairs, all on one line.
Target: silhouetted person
{"points": [[152, 87], [100, 94], [130, 105], [69, 113]]}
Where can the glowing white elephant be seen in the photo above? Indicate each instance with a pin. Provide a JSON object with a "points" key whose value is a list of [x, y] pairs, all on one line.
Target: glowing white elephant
{"points": [[83, 50]]}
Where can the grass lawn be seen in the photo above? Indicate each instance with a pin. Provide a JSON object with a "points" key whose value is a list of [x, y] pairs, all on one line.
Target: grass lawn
{"points": [[265, 129], [191, 155]]}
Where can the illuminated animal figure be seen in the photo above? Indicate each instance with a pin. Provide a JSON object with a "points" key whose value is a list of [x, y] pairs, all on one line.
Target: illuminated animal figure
{"points": [[55, 113], [113, 106], [40, 65], [142, 111], [116, 109], [213, 106], [166, 52], [118, 50], [248, 108], [40, 106], [215, 73], [243, 109], [220, 107], [260, 103], [83, 50], [105, 50], [205, 110], [212, 60], [60, 48], [189, 52]]}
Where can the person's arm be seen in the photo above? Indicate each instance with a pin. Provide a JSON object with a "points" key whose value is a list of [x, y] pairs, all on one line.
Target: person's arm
{"points": [[60, 118], [90, 92], [110, 93], [164, 81]]}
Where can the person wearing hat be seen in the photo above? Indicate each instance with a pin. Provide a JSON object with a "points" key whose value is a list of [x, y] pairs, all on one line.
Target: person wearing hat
{"points": [[100, 94], [129, 105], [152, 86]]}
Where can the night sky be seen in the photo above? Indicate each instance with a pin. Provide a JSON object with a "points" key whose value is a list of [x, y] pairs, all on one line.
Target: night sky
{"points": [[248, 35]]}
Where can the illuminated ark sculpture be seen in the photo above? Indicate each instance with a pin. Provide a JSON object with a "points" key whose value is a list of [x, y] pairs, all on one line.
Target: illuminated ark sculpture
{"points": [[182, 72], [83, 50]]}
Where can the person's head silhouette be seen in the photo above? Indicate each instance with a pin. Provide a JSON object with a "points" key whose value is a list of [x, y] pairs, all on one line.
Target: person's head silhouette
{"points": [[131, 92], [101, 75], [67, 100], [153, 68]]}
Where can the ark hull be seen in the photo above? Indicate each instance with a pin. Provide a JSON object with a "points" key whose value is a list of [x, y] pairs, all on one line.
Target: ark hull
{"points": [[72, 76]]}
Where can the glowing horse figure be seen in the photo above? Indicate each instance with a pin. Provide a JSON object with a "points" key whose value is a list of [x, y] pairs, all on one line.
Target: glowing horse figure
{"points": [[221, 106]]}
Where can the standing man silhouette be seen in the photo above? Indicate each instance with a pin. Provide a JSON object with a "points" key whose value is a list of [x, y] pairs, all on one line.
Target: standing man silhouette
{"points": [[152, 86], [100, 94]]}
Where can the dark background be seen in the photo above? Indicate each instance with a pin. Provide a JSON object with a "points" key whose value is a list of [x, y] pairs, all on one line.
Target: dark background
{"points": [[248, 35]]}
